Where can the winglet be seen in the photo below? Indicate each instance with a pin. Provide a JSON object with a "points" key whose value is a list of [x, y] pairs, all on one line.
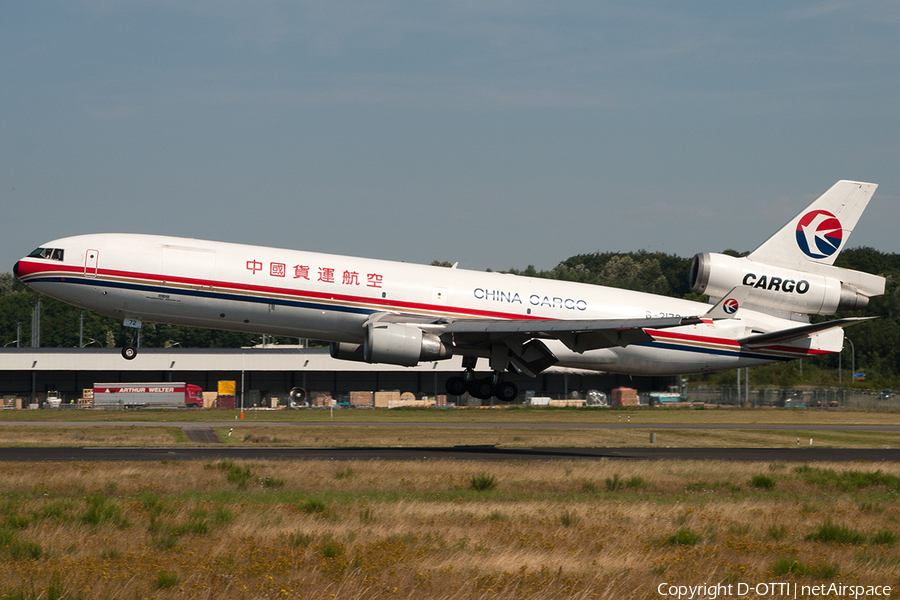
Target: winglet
{"points": [[727, 307]]}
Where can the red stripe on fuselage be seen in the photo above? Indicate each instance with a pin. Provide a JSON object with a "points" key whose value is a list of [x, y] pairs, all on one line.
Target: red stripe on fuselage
{"points": [[734, 343], [687, 337], [28, 269]]}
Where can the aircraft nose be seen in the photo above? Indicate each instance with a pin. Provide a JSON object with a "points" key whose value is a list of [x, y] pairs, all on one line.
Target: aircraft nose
{"points": [[16, 270]]}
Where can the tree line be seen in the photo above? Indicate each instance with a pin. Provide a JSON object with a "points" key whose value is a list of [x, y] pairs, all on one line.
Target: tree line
{"points": [[876, 342]]}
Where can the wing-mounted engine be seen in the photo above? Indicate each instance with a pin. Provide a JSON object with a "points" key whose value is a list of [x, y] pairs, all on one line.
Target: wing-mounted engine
{"points": [[394, 344], [823, 290]]}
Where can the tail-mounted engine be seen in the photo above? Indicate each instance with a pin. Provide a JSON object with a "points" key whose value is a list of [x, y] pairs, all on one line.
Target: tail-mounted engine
{"points": [[781, 288], [393, 344]]}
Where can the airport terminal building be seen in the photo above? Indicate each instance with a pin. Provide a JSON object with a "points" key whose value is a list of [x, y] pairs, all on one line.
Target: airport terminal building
{"points": [[261, 374]]}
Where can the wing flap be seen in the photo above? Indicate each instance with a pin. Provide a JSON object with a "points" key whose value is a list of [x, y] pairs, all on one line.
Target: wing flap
{"points": [[579, 335]]}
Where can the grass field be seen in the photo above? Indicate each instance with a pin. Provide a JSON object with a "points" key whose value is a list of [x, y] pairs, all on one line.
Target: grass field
{"points": [[399, 436], [442, 529], [504, 428], [803, 418]]}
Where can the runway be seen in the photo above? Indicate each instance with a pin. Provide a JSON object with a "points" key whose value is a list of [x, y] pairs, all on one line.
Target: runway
{"points": [[468, 453]]}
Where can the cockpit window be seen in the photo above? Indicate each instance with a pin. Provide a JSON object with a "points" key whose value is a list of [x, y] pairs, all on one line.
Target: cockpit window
{"points": [[48, 253]]}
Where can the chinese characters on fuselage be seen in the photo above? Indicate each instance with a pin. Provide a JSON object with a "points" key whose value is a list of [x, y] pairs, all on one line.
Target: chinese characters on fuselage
{"points": [[321, 274]]}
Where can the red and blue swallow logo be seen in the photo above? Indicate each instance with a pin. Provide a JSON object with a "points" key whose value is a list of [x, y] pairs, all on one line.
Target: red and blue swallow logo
{"points": [[819, 234], [730, 306]]}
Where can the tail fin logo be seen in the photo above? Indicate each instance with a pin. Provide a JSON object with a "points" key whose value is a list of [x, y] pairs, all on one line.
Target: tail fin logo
{"points": [[730, 306], [819, 234]]}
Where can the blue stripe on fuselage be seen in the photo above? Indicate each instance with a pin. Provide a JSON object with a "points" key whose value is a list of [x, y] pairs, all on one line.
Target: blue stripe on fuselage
{"points": [[716, 352], [204, 294]]}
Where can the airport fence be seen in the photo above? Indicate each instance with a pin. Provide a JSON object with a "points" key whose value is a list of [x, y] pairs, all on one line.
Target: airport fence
{"points": [[819, 397]]}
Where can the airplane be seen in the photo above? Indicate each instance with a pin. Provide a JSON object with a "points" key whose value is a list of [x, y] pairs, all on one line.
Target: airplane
{"points": [[395, 313]]}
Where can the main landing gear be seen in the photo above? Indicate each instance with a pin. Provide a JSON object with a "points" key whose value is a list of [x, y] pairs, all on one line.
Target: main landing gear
{"points": [[483, 388]]}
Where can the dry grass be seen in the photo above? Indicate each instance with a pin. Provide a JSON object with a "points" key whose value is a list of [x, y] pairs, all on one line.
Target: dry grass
{"points": [[340, 435], [381, 529], [123, 435], [802, 418], [511, 437]]}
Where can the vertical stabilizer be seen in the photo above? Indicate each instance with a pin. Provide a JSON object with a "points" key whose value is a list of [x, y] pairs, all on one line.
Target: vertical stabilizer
{"points": [[819, 233]]}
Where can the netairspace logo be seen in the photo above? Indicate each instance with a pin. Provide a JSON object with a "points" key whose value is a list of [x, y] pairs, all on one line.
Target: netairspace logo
{"points": [[778, 589]]}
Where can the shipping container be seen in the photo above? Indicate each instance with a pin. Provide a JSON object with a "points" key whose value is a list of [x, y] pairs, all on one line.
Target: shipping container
{"points": [[147, 395]]}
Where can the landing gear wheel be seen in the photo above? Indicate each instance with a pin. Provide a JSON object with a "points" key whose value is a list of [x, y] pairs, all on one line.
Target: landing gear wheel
{"points": [[129, 352], [456, 386], [482, 388], [507, 391]]}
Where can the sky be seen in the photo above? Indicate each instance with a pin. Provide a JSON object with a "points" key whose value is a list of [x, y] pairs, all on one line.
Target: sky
{"points": [[499, 134]]}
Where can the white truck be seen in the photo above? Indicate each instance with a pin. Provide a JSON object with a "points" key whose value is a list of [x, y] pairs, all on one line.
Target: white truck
{"points": [[147, 395]]}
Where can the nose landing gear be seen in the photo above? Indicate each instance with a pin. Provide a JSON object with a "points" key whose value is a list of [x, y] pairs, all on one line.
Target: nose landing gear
{"points": [[129, 351]]}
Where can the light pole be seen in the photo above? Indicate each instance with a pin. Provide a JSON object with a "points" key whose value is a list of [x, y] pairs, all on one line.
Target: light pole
{"points": [[852, 361]]}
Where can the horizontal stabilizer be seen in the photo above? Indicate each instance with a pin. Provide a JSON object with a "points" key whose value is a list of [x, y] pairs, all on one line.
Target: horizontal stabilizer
{"points": [[796, 333]]}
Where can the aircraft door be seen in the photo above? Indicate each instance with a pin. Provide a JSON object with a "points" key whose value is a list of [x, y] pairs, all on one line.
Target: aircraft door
{"points": [[90, 263]]}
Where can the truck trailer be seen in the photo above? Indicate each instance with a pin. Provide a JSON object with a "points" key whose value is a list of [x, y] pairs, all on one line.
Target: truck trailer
{"points": [[147, 395]]}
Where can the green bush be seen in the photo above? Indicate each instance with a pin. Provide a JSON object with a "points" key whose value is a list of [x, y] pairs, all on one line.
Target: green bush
{"points": [[483, 482], [102, 511], [21, 550], [314, 507], [166, 579], [235, 474], [830, 533], [847, 480], [763, 482], [885, 537], [332, 549], [788, 566], [568, 519], [683, 537]]}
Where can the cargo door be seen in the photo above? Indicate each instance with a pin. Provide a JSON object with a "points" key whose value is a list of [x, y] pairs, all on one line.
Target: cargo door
{"points": [[90, 263]]}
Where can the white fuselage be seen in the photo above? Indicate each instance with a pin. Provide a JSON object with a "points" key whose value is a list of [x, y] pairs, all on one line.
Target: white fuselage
{"points": [[329, 297]]}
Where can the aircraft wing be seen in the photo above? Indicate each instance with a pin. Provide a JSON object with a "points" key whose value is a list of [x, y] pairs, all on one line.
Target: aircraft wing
{"points": [[796, 333], [579, 335]]}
